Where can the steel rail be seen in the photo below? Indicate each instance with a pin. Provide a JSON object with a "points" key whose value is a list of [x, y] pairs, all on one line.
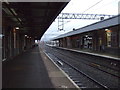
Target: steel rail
{"points": [[95, 81]]}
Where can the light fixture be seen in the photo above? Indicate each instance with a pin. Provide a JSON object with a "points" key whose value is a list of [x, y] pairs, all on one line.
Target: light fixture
{"points": [[106, 29], [1, 35], [17, 28], [14, 11], [6, 1], [86, 35], [19, 19], [25, 35]]}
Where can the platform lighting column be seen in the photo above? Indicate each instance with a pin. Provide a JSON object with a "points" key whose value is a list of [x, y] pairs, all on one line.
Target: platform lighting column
{"points": [[11, 43], [119, 38], [1, 35], [14, 33], [25, 41]]}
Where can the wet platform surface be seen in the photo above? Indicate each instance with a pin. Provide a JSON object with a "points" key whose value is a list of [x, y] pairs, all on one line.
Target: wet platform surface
{"points": [[26, 71]]}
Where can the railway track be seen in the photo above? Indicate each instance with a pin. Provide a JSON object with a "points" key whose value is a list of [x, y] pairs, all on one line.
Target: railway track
{"points": [[96, 65], [75, 74], [112, 65], [98, 84]]}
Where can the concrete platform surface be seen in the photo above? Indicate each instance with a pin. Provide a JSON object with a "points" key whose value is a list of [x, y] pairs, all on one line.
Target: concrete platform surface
{"points": [[58, 77], [33, 69]]}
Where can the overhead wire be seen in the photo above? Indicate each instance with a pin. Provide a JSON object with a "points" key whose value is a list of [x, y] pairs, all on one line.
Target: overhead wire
{"points": [[97, 4], [93, 6], [104, 5], [88, 9]]}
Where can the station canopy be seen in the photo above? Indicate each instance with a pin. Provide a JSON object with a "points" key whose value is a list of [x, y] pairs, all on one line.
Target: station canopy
{"points": [[33, 18]]}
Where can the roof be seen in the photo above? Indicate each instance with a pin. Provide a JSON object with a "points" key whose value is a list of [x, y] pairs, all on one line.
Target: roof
{"points": [[98, 25], [33, 18]]}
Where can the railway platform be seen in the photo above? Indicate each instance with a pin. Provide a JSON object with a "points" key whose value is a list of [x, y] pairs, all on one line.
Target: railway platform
{"points": [[99, 54], [102, 70], [33, 69]]}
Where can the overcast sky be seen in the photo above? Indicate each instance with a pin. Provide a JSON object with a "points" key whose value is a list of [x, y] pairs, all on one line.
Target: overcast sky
{"points": [[82, 6]]}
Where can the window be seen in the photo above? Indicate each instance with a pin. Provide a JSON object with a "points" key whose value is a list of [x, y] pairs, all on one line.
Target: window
{"points": [[108, 32]]}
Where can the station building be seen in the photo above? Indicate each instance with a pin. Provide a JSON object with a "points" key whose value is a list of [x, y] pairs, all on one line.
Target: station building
{"points": [[102, 36]]}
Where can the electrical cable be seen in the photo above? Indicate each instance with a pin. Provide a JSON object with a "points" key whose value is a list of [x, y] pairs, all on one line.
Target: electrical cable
{"points": [[104, 5], [92, 6]]}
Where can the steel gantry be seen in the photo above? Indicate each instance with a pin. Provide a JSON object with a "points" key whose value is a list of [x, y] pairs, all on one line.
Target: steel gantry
{"points": [[63, 16]]}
